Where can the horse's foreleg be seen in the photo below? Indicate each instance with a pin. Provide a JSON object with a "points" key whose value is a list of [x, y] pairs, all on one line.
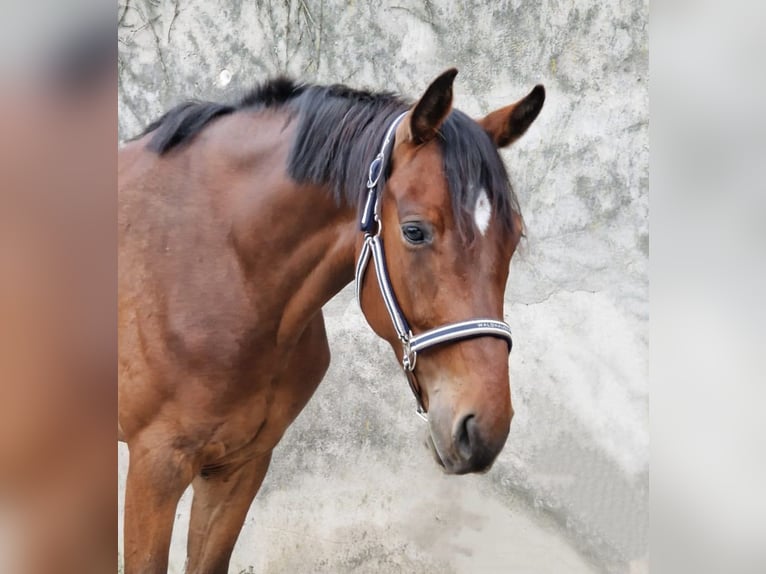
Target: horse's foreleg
{"points": [[220, 505], [222, 498], [157, 477]]}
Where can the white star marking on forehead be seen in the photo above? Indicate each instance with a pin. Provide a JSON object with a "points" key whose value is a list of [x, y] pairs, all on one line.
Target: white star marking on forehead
{"points": [[482, 212]]}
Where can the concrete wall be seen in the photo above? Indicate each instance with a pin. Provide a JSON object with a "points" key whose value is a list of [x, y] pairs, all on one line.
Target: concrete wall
{"points": [[351, 488]]}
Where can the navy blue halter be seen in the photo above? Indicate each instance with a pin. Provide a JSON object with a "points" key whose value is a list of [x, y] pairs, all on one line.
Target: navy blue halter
{"points": [[373, 248]]}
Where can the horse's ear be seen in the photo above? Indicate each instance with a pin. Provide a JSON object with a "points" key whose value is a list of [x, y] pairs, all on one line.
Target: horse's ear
{"points": [[432, 109], [508, 124]]}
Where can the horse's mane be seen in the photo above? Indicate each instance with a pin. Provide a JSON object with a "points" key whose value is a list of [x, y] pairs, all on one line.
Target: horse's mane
{"points": [[339, 132]]}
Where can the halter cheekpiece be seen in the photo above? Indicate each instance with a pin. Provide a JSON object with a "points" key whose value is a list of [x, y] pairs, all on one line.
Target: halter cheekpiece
{"points": [[372, 247]]}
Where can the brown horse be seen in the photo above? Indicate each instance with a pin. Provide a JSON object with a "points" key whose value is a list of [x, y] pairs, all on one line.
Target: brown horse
{"points": [[239, 222]]}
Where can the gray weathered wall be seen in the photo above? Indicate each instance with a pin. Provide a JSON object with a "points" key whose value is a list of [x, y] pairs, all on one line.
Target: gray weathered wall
{"points": [[351, 488]]}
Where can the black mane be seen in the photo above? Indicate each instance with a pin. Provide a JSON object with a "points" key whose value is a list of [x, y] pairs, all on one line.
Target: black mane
{"points": [[340, 131]]}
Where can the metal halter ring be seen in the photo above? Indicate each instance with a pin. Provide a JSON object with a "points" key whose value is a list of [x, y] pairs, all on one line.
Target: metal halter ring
{"points": [[409, 357]]}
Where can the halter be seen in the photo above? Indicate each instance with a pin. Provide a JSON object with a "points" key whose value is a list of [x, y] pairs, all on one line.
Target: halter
{"points": [[372, 247]]}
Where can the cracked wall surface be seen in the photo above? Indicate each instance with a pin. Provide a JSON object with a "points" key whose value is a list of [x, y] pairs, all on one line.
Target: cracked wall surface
{"points": [[351, 488]]}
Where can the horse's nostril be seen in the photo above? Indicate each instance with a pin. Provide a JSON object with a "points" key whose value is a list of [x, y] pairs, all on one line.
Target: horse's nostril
{"points": [[465, 436]]}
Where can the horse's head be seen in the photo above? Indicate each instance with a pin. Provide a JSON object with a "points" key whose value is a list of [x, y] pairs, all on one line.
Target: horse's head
{"points": [[450, 224]]}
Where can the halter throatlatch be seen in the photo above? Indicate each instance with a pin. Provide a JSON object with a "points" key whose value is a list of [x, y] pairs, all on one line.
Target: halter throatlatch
{"points": [[372, 248]]}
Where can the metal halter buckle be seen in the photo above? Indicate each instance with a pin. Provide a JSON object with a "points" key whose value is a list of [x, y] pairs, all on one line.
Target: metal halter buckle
{"points": [[375, 170]]}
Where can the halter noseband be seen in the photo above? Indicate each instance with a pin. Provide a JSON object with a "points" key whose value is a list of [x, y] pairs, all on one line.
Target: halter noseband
{"points": [[372, 247]]}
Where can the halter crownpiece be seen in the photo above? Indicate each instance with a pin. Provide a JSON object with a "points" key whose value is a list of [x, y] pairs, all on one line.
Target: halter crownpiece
{"points": [[372, 248]]}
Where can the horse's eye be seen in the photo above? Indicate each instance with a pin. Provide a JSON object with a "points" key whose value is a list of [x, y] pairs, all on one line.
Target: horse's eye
{"points": [[413, 233]]}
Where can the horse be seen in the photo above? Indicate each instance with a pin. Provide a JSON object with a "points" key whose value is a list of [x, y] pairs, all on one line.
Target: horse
{"points": [[238, 222]]}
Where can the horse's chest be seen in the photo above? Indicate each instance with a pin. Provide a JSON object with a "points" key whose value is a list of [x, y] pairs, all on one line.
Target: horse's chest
{"points": [[258, 412]]}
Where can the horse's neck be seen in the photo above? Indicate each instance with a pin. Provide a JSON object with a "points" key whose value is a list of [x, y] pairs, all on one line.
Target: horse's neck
{"points": [[318, 269], [295, 243], [297, 247]]}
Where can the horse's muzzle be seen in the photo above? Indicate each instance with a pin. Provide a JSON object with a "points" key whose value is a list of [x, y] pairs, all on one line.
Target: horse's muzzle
{"points": [[467, 450]]}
